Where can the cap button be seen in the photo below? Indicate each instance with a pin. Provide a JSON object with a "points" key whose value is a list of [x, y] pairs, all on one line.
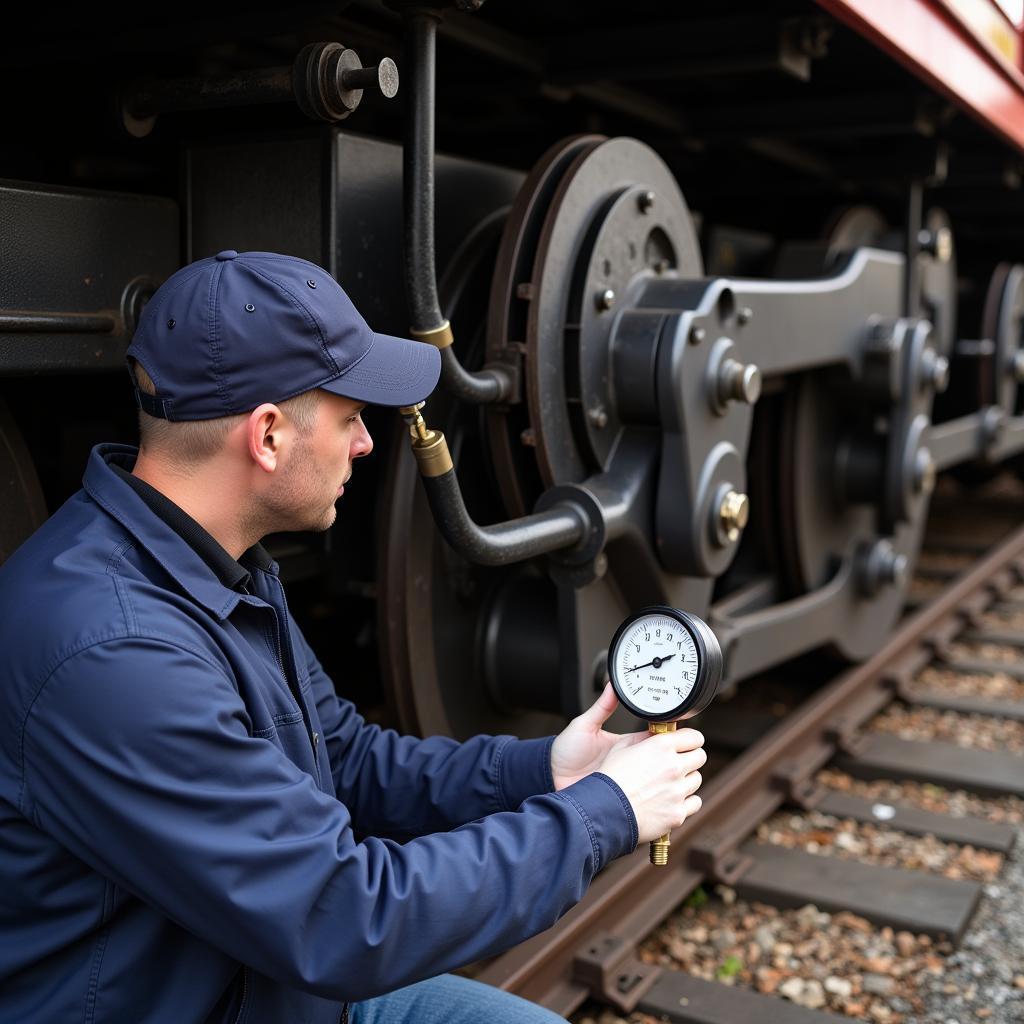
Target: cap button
{"points": [[227, 254]]}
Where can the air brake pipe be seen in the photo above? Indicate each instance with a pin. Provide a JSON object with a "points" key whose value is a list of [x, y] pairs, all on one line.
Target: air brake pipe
{"points": [[492, 384], [564, 525]]}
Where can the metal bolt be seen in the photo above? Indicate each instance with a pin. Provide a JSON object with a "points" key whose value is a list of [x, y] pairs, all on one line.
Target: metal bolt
{"points": [[739, 382], [606, 299], [744, 315], [662, 265], [934, 370], [697, 335], [383, 75], [993, 423], [1017, 366], [937, 243], [733, 514], [598, 417], [528, 438], [924, 472], [645, 201], [881, 566]]}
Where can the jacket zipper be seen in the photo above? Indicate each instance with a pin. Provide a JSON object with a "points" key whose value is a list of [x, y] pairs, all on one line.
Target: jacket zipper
{"points": [[245, 992]]}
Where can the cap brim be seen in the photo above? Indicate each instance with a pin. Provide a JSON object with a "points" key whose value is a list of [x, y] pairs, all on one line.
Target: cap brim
{"points": [[394, 371]]}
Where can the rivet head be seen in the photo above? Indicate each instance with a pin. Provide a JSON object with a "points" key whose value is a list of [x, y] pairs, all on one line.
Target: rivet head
{"points": [[645, 201], [734, 513], [605, 299], [311, 283], [170, 325], [249, 307]]}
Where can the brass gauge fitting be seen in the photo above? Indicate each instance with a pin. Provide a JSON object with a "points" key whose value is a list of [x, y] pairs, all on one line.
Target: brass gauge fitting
{"points": [[429, 446], [659, 846]]}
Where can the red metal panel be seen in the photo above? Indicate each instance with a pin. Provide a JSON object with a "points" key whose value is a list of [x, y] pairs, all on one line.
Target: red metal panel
{"points": [[940, 50]]}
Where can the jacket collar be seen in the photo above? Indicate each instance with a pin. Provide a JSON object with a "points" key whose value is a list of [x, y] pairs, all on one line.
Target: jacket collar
{"points": [[177, 557]]}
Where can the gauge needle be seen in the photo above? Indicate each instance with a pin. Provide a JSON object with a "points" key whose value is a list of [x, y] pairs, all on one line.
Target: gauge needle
{"points": [[657, 663]]}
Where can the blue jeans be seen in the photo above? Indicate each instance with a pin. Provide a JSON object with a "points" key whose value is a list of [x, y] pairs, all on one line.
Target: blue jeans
{"points": [[449, 999]]}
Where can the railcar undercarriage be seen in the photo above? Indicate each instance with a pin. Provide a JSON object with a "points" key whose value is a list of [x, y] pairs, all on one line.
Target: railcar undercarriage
{"points": [[719, 292]]}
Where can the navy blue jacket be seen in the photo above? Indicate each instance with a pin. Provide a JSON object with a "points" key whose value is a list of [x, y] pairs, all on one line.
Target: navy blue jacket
{"points": [[195, 828]]}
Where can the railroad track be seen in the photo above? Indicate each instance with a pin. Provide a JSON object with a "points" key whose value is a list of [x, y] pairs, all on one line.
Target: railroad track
{"points": [[972, 628]]}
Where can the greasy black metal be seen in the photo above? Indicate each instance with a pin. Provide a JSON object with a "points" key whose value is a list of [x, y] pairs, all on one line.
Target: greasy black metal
{"points": [[989, 835], [629, 899], [489, 384], [246, 88], [563, 526], [508, 426], [16, 322], [682, 999], [913, 901], [86, 263], [326, 81]]}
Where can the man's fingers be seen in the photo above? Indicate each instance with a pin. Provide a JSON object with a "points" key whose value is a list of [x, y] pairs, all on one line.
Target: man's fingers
{"points": [[602, 709], [687, 739], [691, 760], [692, 804]]}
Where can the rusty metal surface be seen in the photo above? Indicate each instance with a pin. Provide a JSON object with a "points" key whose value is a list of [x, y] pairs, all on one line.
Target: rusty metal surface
{"points": [[629, 899]]}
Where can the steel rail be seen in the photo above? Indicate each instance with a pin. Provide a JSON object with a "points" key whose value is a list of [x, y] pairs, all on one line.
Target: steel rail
{"points": [[630, 898]]}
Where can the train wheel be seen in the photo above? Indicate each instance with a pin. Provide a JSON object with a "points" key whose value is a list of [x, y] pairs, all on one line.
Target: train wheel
{"points": [[21, 497]]}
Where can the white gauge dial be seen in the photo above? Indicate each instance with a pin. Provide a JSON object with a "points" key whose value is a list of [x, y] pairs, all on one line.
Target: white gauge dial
{"points": [[656, 663]]}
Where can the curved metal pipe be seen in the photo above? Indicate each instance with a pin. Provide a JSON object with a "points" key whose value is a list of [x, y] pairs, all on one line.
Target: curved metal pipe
{"points": [[516, 540], [571, 521], [428, 322]]}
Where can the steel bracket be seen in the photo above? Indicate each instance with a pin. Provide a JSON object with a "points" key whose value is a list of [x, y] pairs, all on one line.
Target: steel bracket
{"points": [[846, 736], [610, 969], [795, 781], [718, 859]]}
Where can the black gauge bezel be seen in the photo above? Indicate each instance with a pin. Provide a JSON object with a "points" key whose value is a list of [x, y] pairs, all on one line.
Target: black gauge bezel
{"points": [[708, 677]]}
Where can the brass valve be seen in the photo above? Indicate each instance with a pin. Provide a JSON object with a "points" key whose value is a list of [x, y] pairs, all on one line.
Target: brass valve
{"points": [[429, 446], [659, 846]]}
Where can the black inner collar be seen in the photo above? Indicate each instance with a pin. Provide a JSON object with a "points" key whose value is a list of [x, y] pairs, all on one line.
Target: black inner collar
{"points": [[233, 574]]}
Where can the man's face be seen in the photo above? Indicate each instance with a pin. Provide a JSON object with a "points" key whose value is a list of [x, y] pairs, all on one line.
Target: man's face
{"points": [[319, 465]]}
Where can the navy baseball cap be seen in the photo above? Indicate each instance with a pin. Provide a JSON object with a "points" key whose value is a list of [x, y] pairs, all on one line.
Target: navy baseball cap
{"points": [[227, 333]]}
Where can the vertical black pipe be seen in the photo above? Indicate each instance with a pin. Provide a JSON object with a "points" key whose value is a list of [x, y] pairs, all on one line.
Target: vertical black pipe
{"points": [[418, 176]]}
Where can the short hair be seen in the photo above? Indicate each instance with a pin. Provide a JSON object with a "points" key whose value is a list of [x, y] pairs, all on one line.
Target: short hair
{"points": [[189, 442]]}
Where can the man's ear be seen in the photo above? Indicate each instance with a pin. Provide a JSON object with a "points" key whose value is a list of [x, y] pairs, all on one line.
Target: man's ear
{"points": [[265, 429]]}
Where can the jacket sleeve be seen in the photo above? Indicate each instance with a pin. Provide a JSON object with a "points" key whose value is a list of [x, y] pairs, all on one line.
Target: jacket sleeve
{"points": [[401, 786], [136, 757]]}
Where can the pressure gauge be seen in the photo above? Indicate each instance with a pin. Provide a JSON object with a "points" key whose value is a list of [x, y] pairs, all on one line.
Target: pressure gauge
{"points": [[665, 664]]}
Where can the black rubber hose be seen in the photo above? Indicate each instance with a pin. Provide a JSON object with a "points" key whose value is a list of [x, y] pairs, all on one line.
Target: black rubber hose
{"points": [[490, 385], [418, 174], [561, 526]]}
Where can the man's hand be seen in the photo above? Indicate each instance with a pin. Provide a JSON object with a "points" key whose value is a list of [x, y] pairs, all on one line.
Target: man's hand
{"points": [[660, 778], [583, 745], [658, 773]]}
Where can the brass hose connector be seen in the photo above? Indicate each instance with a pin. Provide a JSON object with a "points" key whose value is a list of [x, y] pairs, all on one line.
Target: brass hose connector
{"points": [[440, 337], [659, 846], [429, 446]]}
